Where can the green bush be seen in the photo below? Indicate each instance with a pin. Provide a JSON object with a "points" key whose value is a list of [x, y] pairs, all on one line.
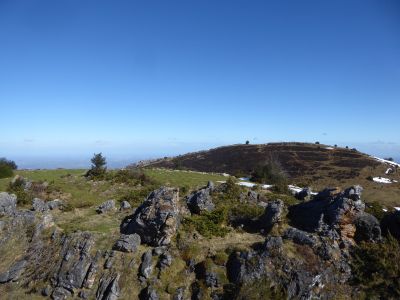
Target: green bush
{"points": [[245, 211], [98, 169], [131, 176], [17, 188], [375, 209], [209, 224], [376, 269], [271, 173]]}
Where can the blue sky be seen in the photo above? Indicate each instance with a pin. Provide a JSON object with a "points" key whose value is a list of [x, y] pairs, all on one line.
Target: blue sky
{"points": [[141, 79]]}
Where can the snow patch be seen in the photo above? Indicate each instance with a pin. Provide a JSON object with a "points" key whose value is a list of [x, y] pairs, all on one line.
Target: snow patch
{"points": [[329, 148], [397, 208], [383, 180]]}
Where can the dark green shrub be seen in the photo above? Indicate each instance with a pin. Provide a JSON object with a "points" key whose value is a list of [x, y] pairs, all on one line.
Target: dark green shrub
{"points": [[375, 209], [17, 188], [209, 224], [270, 173], [376, 269], [7, 168]]}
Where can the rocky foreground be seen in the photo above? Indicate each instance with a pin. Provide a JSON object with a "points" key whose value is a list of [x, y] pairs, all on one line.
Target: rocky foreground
{"points": [[304, 250]]}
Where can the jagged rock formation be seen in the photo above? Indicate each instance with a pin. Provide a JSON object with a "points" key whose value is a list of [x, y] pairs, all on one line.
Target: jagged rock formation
{"points": [[127, 243], [157, 219], [8, 203], [201, 200]]}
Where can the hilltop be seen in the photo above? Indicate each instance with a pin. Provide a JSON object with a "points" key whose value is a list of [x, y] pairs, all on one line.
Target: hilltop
{"points": [[305, 164]]}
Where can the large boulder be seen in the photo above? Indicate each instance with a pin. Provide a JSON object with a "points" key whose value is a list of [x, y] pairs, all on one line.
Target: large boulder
{"points": [[8, 203], [201, 200], [127, 243], [146, 267], [273, 214], [332, 208], [367, 228], [106, 206], [157, 219]]}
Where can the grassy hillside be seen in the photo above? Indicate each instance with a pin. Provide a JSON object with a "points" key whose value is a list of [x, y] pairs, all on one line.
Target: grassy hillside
{"points": [[313, 165]]}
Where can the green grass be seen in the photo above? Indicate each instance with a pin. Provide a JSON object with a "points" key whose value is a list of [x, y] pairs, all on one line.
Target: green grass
{"points": [[180, 178]]}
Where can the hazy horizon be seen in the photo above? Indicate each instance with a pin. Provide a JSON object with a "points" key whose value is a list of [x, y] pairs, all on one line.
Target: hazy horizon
{"points": [[143, 79]]}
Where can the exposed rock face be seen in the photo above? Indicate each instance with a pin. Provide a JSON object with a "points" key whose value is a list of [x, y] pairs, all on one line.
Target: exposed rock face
{"points": [[300, 237], [106, 206], [157, 219], [338, 210], [127, 243], [74, 267], [14, 272], [367, 228], [8, 203], [54, 204], [201, 200], [273, 214], [108, 288]]}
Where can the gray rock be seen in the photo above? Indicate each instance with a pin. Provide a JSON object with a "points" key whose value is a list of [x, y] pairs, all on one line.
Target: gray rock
{"points": [[353, 193], [179, 294], [83, 295], [300, 237], [159, 250], [165, 260], [125, 205], [106, 206], [273, 214], [367, 228], [157, 219], [150, 294], [54, 204], [8, 203], [60, 293], [14, 273], [273, 244], [76, 261], [108, 288], [46, 292], [253, 196], [146, 267], [201, 200], [39, 205], [211, 279], [127, 243]]}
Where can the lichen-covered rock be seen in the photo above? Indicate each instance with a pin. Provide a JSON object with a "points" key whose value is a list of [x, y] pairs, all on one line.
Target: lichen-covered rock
{"points": [[54, 204], [367, 228], [201, 200], [14, 272], [146, 267], [157, 219], [106, 206], [165, 260], [39, 205], [273, 214], [108, 288], [300, 237], [127, 242], [8, 203]]}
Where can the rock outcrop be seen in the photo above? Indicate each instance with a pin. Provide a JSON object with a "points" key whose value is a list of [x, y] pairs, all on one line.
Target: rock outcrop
{"points": [[157, 219], [273, 214], [8, 203], [201, 200], [127, 243], [106, 206]]}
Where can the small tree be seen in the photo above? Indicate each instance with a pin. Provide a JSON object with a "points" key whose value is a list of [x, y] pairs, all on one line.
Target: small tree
{"points": [[98, 168], [247, 142]]}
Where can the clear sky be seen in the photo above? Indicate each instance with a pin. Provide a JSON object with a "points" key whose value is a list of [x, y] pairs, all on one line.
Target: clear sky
{"points": [[148, 78]]}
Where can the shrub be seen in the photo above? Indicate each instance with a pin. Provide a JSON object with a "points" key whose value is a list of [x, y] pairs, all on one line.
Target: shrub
{"points": [[131, 176], [271, 173], [209, 224], [375, 209], [376, 269], [17, 188]]}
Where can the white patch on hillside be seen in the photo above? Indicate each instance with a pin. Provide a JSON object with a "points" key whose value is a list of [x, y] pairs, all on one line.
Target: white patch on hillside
{"points": [[383, 180], [397, 208], [329, 148]]}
